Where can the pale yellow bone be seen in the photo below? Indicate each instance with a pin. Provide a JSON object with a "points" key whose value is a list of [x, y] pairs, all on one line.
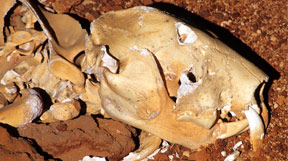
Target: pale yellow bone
{"points": [[132, 96], [62, 111], [206, 119], [5, 7], [9, 91], [27, 41], [65, 33], [24, 110], [129, 101], [148, 144], [209, 58], [65, 70], [228, 129], [91, 97], [3, 101]]}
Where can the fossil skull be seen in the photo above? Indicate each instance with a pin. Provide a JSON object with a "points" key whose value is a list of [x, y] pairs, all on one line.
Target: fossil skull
{"points": [[140, 55]]}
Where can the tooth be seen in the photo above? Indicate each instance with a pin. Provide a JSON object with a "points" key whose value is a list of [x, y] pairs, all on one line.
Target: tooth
{"points": [[256, 128]]}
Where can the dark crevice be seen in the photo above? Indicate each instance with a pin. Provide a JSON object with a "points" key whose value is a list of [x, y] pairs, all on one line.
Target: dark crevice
{"points": [[39, 150], [191, 77]]}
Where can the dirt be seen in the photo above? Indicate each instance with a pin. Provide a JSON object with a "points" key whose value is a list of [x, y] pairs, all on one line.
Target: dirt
{"points": [[257, 29], [16, 148], [84, 136]]}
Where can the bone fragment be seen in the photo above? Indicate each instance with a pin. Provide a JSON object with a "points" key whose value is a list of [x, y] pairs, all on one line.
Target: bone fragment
{"points": [[232, 156], [65, 70], [91, 97], [88, 158], [24, 110], [5, 7], [62, 111], [3, 101], [9, 91], [148, 144], [64, 33]]}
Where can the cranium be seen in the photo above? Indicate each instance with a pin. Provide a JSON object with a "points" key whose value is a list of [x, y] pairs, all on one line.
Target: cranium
{"points": [[142, 58], [141, 55]]}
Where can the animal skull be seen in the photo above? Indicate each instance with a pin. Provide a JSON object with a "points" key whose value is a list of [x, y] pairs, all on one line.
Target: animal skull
{"points": [[152, 52], [142, 58]]}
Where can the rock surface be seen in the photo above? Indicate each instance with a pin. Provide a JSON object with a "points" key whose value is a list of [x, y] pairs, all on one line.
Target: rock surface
{"points": [[72, 140]]}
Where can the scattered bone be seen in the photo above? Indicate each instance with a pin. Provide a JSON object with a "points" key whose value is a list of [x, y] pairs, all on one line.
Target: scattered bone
{"points": [[165, 146], [62, 111], [3, 101], [170, 157], [151, 156], [232, 156], [61, 68], [11, 55], [22, 111], [5, 7], [67, 43], [223, 153], [9, 91], [235, 147], [88, 158], [148, 147]]}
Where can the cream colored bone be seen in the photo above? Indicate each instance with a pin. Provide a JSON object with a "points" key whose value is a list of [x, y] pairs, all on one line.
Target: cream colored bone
{"points": [[21, 42], [3, 101], [9, 91], [5, 7], [59, 87], [148, 144], [62, 111], [145, 103], [215, 78], [91, 97], [64, 33], [65, 70], [24, 110]]}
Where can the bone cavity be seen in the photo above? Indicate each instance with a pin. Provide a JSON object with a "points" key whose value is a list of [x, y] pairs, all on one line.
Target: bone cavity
{"points": [[185, 35], [186, 86], [108, 61]]}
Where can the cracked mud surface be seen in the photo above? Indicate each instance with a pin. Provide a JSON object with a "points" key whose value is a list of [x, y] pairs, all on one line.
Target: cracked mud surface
{"points": [[261, 25]]}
